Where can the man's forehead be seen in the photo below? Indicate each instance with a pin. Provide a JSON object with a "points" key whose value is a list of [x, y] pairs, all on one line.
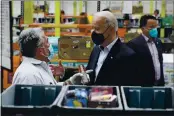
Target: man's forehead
{"points": [[151, 22], [98, 21]]}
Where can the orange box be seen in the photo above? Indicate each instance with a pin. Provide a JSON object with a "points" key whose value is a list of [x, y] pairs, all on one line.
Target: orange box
{"points": [[122, 32]]}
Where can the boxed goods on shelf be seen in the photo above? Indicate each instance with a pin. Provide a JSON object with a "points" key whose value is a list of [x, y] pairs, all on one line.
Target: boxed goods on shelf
{"points": [[90, 100], [75, 47]]}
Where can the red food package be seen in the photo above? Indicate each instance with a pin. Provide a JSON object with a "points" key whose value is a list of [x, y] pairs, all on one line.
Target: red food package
{"points": [[104, 90], [100, 91]]}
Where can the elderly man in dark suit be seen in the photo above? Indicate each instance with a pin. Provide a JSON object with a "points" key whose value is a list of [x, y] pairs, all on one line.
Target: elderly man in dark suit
{"points": [[111, 60], [149, 53]]}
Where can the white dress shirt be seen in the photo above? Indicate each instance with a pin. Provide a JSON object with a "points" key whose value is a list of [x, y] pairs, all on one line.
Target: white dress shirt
{"points": [[155, 57], [32, 71], [102, 57], [157, 17]]}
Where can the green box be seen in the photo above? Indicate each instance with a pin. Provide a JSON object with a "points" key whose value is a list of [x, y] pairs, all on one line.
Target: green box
{"points": [[148, 98], [30, 98]]}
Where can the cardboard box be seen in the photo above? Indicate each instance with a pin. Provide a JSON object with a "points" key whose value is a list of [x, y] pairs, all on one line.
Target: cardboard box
{"points": [[75, 47]]}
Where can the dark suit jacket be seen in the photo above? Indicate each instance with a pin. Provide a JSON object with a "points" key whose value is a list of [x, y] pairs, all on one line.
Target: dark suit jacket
{"points": [[145, 63], [118, 67]]}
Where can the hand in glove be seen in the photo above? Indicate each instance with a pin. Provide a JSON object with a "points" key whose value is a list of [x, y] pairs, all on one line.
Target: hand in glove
{"points": [[80, 78]]}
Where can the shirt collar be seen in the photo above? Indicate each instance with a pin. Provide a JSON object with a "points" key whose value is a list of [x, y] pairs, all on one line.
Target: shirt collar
{"points": [[108, 47], [156, 16], [31, 60], [146, 38]]}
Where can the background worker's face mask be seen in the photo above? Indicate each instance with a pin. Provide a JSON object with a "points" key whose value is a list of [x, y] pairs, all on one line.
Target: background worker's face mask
{"points": [[51, 50], [153, 33], [43, 54], [44, 49], [98, 38]]}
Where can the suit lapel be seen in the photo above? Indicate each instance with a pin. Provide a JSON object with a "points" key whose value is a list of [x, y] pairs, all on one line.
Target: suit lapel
{"points": [[159, 49], [145, 50], [96, 56], [114, 51], [158, 45], [112, 54], [94, 59], [142, 42]]}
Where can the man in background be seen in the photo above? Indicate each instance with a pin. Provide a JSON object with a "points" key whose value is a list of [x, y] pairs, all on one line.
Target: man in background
{"points": [[149, 53], [62, 19], [156, 14]]}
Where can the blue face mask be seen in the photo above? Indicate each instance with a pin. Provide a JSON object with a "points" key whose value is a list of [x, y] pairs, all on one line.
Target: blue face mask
{"points": [[153, 33], [51, 52]]}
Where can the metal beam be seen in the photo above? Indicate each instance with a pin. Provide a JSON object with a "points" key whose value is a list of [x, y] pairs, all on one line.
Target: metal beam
{"points": [[57, 18]]}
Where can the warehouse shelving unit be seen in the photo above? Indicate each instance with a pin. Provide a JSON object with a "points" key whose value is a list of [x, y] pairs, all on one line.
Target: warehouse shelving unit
{"points": [[50, 92], [27, 21]]}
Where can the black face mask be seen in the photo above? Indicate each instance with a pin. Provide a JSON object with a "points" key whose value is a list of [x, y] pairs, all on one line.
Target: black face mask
{"points": [[98, 38]]}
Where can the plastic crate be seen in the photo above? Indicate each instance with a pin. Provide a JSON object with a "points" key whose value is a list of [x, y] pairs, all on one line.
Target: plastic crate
{"points": [[148, 99], [30, 98], [65, 110]]}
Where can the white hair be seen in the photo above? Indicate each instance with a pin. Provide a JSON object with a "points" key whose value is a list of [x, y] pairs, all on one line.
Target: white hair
{"points": [[32, 33], [29, 40], [110, 18]]}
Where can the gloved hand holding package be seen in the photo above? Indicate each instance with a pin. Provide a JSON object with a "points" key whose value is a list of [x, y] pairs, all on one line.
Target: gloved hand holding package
{"points": [[79, 78]]}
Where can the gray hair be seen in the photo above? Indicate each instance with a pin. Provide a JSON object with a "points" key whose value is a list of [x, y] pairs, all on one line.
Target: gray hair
{"points": [[31, 33], [110, 18], [29, 40]]}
